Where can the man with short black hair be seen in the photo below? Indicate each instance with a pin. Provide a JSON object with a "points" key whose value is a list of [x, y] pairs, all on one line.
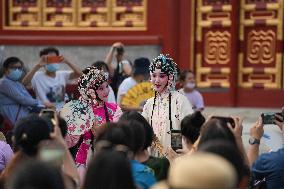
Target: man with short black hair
{"points": [[50, 85], [15, 100], [140, 73]]}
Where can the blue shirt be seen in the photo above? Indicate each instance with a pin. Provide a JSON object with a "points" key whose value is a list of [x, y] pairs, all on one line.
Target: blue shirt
{"points": [[271, 167], [15, 98], [143, 176]]}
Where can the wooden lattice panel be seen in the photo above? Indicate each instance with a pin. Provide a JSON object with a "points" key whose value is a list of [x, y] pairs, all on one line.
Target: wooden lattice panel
{"points": [[260, 57], [129, 13], [94, 13], [59, 13], [214, 39], [24, 13]]}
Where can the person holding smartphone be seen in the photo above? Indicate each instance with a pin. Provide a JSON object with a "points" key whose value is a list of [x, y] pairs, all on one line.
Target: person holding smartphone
{"points": [[86, 117], [119, 67], [168, 107], [267, 168], [49, 85]]}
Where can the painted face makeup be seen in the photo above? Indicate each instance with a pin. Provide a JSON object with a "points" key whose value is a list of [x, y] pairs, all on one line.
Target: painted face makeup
{"points": [[103, 91], [159, 80]]}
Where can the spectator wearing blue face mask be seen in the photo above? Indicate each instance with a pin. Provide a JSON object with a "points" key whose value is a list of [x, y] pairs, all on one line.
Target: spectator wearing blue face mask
{"points": [[15, 101], [49, 85]]}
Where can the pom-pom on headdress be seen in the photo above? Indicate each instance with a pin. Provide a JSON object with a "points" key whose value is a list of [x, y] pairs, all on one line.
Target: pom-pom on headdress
{"points": [[167, 66], [92, 78]]}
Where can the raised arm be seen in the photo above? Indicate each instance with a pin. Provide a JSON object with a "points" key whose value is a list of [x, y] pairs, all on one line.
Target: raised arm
{"points": [[77, 72], [69, 166], [256, 133], [13, 93], [28, 77], [109, 57], [238, 132]]}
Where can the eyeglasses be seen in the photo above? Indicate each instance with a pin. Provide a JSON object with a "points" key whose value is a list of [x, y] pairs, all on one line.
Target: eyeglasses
{"points": [[16, 67]]}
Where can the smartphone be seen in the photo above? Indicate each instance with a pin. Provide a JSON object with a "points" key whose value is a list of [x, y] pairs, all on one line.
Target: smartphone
{"points": [[269, 117], [49, 113], [226, 120], [176, 139], [53, 59]]}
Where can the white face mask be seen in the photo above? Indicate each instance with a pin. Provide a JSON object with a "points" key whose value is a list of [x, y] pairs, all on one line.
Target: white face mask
{"points": [[190, 85]]}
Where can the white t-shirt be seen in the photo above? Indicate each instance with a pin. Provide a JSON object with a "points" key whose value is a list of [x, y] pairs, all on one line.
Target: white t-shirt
{"points": [[51, 89], [127, 84], [111, 97]]}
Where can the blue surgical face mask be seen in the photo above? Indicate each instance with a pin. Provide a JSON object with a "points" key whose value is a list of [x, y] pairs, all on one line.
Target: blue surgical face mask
{"points": [[15, 74], [52, 67]]}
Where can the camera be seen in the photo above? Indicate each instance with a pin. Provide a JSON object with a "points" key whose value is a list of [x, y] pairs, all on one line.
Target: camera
{"points": [[269, 117], [120, 50], [176, 139]]}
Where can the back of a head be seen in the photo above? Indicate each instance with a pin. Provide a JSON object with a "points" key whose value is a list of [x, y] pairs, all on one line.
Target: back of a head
{"points": [[28, 132], [190, 126], [141, 66], [110, 169], [229, 152], [35, 175], [117, 133], [138, 135], [148, 130], [215, 129], [49, 50], [200, 171]]}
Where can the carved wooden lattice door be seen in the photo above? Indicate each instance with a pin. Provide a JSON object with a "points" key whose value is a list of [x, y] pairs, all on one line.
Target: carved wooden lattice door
{"points": [[215, 48], [239, 50], [260, 56]]}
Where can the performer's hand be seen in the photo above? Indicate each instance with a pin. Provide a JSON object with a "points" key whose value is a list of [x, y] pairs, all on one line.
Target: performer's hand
{"points": [[171, 155]]}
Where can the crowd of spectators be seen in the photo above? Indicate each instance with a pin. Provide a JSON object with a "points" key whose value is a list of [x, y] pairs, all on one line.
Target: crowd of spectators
{"points": [[34, 152]]}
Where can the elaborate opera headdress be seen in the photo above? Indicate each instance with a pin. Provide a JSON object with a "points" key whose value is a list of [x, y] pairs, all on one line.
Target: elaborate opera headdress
{"points": [[92, 78], [167, 66]]}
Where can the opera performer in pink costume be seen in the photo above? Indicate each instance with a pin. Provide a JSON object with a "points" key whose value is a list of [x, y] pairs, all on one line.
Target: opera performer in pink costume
{"points": [[86, 115]]}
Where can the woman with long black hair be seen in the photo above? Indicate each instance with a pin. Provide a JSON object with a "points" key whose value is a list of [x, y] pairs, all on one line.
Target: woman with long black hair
{"points": [[166, 110]]}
